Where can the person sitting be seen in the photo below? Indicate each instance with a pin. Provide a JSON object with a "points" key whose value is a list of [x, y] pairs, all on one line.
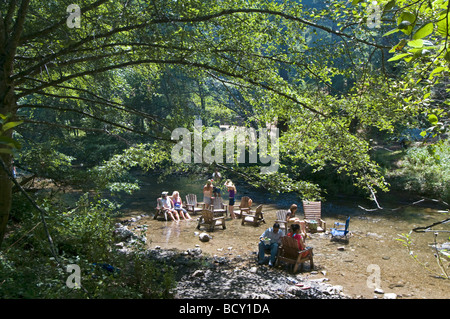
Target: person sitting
{"points": [[178, 205], [295, 233], [165, 204], [274, 234], [290, 217]]}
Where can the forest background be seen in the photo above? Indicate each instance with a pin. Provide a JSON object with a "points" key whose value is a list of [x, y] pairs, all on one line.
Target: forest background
{"points": [[358, 91]]}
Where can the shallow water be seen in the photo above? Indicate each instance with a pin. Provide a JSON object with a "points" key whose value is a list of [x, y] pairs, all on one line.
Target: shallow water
{"points": [[373, 240]]}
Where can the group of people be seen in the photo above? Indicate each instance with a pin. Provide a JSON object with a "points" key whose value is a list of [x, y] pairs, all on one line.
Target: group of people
{"points": [[173, 206], [270, 240], [210, 191]]}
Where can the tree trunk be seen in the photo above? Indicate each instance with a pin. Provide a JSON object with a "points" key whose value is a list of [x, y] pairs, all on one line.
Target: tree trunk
{"points": [[9, 40], [7, 106]]}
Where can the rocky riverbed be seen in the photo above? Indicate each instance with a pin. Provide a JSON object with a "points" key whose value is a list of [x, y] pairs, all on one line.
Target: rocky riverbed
{"points": [[201, 276], [225, 266]]}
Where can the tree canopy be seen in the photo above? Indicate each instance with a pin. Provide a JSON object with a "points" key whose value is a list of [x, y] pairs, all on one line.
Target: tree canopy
{"points": [[135, 70]]}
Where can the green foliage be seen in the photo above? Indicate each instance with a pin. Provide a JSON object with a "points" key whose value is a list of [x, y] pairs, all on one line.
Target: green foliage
{"points": [[83, 236], [8, 144], [426, 170]]}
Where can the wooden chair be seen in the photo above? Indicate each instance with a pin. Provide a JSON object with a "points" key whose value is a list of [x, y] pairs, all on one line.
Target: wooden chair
{"points": [[282, 219], [289, 253], [218, 207], [313, 212], [192, 206], [207, 219], [254, 217], [244, 206]]}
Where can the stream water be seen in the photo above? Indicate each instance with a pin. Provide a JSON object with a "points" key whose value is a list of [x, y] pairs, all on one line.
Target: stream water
{"points": [[373, 255]]}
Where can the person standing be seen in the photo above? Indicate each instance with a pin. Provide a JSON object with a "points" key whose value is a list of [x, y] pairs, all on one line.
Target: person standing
{"points": [[207, 193], [216, 177], [231, 194], [270, 240]]}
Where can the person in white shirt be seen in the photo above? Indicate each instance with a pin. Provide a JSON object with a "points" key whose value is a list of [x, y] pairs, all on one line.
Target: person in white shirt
{"points": [[273, 234], [165, 203]]}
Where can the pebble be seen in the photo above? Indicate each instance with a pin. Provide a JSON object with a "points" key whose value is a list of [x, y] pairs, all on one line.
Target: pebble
{"points": [[390, 296]]}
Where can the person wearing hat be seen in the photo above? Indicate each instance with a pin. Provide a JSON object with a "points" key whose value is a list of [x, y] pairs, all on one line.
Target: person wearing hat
{"points": [[166, 204], [231, 193]]}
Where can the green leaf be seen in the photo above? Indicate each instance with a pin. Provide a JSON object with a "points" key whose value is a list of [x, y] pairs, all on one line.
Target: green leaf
{"points": [[447, 56], [442, 25], [5, 151], [391, 32], [406, 22], [398, 57], [439, 69], [423, 31], [432, 119], [9, 141], [416, 43], [10, 125], [388, 6], [355, 2]]}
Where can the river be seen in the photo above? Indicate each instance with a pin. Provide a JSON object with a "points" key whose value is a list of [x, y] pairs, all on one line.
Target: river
{"points": [[373, 255]]}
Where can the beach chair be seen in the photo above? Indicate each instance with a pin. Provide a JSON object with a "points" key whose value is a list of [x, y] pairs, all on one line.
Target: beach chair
{"points": [[218, 207], [243, 207], [290, 254], [254, 217], [341, 230], [192, 206], [281, 219], [313, 217], [207, 219]]}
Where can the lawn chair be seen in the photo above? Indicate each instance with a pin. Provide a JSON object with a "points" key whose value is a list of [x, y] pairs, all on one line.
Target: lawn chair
{"points": [[218, 207], [282, 219], [244, 206], [340, 232], [207, 219], [254, 217], [289, 253], [192, 206], [313, 218]]}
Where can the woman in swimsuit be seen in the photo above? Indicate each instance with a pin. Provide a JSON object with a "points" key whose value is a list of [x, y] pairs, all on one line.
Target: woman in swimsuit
{"points": [[178, 205]]}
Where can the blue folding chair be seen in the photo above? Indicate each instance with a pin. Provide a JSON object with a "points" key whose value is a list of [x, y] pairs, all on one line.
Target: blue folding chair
{"points": [[340, 230]]}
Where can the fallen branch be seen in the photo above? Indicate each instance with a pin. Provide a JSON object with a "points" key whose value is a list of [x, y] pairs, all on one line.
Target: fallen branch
{"points": [[401, 207]]}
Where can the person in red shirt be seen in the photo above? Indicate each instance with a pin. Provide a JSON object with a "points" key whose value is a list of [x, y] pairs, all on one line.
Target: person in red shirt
{"points": [[295, 233]]}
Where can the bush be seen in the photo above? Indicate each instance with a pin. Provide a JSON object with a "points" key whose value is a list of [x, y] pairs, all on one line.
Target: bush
{"points": [[426, 170], [83, 236]]}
